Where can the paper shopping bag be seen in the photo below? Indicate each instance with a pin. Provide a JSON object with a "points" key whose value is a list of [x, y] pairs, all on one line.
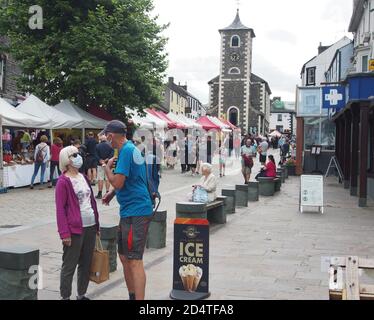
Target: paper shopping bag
{"points": [[99, 271]]}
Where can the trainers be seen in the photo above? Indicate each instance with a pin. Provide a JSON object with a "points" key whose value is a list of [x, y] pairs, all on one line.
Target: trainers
{"points": [[32, 187], [99, 196]]}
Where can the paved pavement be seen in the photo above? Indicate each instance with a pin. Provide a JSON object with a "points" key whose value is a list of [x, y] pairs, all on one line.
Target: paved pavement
{"points": [[266, 251]]}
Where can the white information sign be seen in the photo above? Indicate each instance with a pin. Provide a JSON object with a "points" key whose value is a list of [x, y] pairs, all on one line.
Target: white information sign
{"points": [[311, 192]]}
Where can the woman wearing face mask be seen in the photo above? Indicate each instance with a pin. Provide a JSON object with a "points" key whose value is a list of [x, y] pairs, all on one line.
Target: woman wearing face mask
{"points": [[78, 222]]}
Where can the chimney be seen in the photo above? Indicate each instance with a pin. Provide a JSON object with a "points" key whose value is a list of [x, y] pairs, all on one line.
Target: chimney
{"points": [[171, 79], [322, 48]]}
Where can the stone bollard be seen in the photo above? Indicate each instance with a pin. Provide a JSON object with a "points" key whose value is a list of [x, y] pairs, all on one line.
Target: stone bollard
{"points": [[242, 195], [267, 187], [191, 210], [157, 231], [278, 184], [18, 273], [281, 174], [285, 169], [226, 208], [253, 191], [231, 199], [109, 238]]}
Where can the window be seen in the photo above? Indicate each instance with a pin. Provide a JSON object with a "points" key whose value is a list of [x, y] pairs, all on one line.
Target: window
{"points": [[234, 116], [2, 73], [171, 96], [235, 42], [365, 64], [320, 131], [279, 118], [279, 129], [311, 76], [234, 71]]}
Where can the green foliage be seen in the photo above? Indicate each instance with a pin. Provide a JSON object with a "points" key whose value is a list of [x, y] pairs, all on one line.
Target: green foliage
{"points": [[107, 53]]}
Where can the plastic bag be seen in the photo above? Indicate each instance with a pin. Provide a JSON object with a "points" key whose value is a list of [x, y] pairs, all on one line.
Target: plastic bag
{"points": [[200, 195]]}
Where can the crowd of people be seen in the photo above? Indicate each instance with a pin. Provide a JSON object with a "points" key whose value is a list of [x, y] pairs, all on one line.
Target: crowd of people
{"points": [[130, 170]]}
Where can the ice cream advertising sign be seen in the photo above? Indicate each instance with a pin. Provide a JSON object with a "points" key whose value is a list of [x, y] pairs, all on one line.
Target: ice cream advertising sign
{"points": [[191, 259]]}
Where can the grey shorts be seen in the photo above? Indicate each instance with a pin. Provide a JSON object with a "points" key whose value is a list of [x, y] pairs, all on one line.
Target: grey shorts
{"points": [[132, 237]]}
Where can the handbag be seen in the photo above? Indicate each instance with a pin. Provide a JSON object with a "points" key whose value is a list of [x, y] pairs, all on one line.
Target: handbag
{"points": [[248, 161], [99, 271]]}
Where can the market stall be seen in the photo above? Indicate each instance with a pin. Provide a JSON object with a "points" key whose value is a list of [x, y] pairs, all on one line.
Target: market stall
{"points": [[207, 124], [14, 169], [85, 121]]}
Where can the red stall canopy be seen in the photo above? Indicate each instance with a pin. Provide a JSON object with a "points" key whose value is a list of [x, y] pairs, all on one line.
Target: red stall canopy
{"points": [[100, 113], [207, 124], [171, 124]]}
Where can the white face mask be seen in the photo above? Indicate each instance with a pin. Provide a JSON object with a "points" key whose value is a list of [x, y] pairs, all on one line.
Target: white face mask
{"points": [[77, 162]]}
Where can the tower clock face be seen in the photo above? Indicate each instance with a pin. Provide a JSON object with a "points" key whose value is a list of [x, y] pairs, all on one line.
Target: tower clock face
{"points": [[235, 57]]}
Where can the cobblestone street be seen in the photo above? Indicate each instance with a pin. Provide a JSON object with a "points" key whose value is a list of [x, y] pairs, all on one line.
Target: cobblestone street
{"points": [[266, 251]]}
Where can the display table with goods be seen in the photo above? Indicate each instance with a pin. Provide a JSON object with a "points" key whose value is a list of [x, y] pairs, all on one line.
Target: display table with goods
{"points": [[18, 170]]}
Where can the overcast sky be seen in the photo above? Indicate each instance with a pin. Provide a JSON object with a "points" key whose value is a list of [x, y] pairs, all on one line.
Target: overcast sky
{"points": [[288, 33]]}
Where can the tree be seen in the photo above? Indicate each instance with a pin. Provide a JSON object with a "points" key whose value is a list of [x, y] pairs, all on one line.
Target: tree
{"points": [[107, 53]]}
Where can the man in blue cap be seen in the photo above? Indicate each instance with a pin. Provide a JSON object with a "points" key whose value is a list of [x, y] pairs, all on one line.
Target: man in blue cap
{"points": [[129, 179]]}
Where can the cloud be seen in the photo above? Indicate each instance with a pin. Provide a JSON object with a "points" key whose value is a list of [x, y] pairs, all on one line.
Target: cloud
{"points": [[282, 36]]}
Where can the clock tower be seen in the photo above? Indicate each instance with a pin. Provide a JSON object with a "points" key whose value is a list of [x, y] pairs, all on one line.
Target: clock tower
{"points": [[234, 82]]}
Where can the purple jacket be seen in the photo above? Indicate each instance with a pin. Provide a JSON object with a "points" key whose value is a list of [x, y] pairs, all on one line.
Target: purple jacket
{"points": [[69, 219]]}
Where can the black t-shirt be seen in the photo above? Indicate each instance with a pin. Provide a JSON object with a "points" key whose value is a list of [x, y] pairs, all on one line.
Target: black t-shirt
{"points": [[104, 151], [91, 146]]}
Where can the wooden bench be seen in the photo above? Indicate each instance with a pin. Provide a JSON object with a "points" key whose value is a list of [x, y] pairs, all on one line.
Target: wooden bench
{"points": [[216, 213], [344, 281], [267, 186]]}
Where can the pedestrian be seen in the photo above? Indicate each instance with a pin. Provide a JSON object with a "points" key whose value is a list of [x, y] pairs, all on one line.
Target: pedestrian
{"points": [[263, 150], [104, 153], [91, 159], [41, 158], [172, 153], [25, 140], [82, 149], [269, 170], [208, 182], [129, 179], [56, 148], [209, 150], [78, 223], [285, 150], [248, 153], [222, 153]]}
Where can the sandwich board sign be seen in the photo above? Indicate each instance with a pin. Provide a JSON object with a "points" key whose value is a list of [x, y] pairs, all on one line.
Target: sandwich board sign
{"points": [[311, 192]]}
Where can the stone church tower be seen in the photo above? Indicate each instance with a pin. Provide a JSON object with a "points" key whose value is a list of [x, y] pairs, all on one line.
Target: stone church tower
{"points": [[230, 92]]}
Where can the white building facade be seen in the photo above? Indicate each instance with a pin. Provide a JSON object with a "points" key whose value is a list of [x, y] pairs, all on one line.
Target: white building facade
{"points": [[362, 27]]}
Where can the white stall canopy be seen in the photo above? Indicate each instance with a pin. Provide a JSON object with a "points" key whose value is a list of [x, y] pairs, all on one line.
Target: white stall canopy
{"points": [[87, 120], [142, 122], [12, 117], [55, 119]]}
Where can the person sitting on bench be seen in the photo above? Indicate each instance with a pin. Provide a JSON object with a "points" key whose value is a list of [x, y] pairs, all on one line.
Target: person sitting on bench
{"points": [[208, 182], [269, 170]]}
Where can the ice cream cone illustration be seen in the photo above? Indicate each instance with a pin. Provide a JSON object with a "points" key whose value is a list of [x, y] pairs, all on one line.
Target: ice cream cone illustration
{"points": [[199, 274], [183, 275]]}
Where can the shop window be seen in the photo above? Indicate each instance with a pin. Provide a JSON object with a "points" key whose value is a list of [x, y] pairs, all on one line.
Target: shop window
{"points": [[311, 76], [365, 64], [320, 131]]}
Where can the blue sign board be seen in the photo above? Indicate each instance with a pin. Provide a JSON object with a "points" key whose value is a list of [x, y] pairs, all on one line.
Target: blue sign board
{"points": [[333, 97]]}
